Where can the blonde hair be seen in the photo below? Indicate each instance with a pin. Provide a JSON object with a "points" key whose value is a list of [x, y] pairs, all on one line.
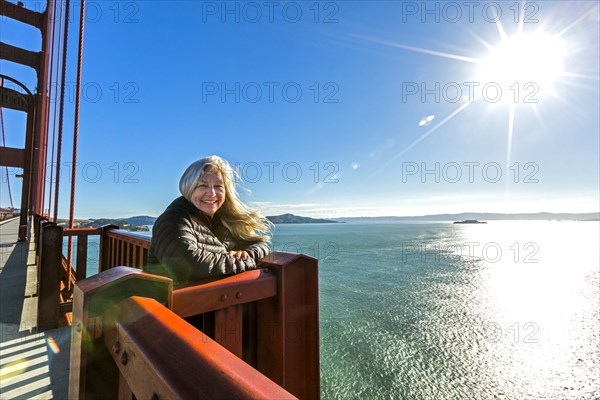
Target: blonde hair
{"points": [[242, 221]]}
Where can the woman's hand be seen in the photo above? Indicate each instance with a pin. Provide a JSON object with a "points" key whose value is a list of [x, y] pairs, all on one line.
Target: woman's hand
{"points": [[239, 254]]}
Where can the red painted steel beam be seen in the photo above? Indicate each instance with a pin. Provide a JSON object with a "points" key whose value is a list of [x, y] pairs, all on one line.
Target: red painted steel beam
{"points": [[10, 98], [162, 356], [243, 288], [288, 325], [11, 157], [20, 56], [82, 255], [228, 329], [49, 277], [21, 14], [92, 298]]}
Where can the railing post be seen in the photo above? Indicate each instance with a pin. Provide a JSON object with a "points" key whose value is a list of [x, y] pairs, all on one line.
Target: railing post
{"points": [[49, 276], [82, 253], [38, 246], [288, 326], [92, 298], [105, 248], [38, 222]]}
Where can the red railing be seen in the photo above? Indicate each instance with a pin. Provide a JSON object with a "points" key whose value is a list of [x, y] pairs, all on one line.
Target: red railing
{"points": [[120, 247], [57, 277], [143, 329], [266, 317]]}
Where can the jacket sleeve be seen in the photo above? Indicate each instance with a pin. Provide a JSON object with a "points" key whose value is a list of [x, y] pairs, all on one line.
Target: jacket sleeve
{"points": [[185, 255], [257, 250]]}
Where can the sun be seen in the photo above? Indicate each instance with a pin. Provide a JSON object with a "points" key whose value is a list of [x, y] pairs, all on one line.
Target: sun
{"points": [[524, 59], [517, 72]]}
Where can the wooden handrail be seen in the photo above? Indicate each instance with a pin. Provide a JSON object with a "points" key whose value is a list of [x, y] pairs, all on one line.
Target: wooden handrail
{"points": [[151, 344]]}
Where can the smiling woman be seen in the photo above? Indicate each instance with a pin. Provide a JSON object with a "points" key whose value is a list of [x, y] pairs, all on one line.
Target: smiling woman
{"points": [[207, 232]]}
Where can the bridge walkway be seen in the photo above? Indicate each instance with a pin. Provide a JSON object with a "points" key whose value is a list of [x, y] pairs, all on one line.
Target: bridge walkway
{"points": [[33, 365]]}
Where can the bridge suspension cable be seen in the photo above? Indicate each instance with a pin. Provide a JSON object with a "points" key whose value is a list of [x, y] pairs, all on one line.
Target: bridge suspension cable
{"points": [[4, 144], [61, 114], [53, 72], [76, 122]]}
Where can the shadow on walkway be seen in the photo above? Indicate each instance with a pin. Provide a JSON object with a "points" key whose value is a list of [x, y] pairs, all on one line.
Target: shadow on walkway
{"points": [[13, 278], [32, 364]]}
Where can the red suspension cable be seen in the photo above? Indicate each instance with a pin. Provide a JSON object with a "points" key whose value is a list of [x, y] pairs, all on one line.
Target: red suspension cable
{"points": [[4, 144], [76, 123], [77, 106], [58, 64], [50, 92], [62, 108]]}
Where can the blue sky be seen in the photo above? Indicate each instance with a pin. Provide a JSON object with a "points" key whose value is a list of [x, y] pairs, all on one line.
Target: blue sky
{"points": [[331, 109]]}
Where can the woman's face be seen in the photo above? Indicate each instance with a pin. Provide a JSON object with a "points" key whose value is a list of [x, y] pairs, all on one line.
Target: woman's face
{"points": [[209, 194]]}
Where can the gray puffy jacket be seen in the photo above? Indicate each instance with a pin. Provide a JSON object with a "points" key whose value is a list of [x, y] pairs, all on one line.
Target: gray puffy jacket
{"points": [[187, 245]]}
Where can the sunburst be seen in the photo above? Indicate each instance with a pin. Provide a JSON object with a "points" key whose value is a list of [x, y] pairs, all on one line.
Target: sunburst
{"points": [[524, 67]]}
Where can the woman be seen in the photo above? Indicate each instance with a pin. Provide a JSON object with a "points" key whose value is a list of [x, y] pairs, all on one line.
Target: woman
{"points": [[207, 232]]}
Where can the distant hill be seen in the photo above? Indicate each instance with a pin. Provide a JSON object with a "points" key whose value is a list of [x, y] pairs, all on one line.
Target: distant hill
{"points": [[122, 223], [295, 219], [277, 219], [541, 216], [141, 220]]}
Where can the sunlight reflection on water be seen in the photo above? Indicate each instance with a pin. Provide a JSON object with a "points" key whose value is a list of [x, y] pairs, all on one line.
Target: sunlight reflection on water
{"points": [[420, 311], [542, 302]]}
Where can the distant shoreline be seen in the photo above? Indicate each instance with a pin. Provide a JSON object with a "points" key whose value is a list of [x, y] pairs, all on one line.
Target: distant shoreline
{"points": [[541, 216], [140, 223]]}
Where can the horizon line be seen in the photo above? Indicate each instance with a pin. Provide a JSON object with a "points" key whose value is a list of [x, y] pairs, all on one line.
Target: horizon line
{"points": [[388, 215]]}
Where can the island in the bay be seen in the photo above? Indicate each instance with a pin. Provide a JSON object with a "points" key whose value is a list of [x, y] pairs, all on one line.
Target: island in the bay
{"points": [[470, 221]]}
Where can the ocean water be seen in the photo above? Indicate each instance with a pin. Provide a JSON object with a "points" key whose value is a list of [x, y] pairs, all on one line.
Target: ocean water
{"points": [[504, 310]]}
